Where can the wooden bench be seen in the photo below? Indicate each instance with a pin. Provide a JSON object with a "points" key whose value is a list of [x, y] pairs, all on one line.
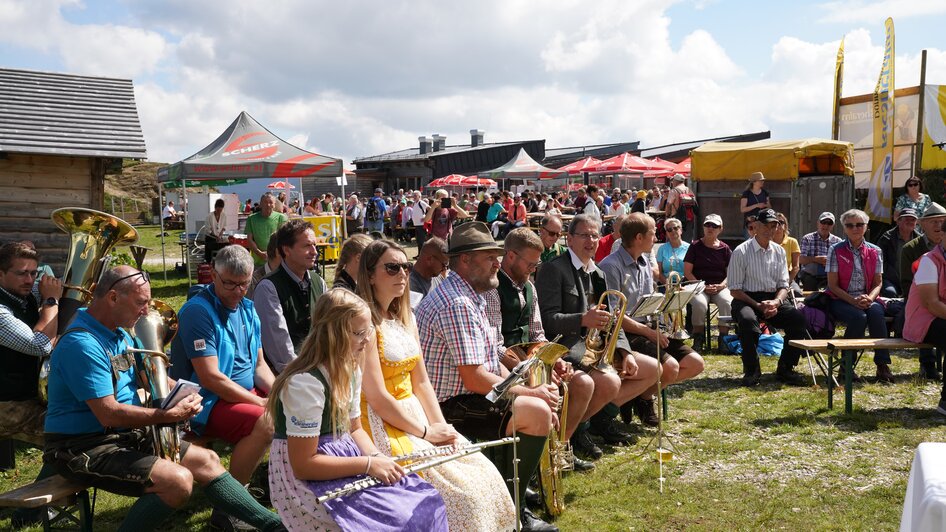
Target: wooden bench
{"points": [[841, 351], [68, 498]]}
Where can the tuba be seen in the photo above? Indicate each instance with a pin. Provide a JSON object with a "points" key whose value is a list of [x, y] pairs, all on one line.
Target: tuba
{"points": [[92, 235], [557, 455], [600, 343], [155, 330]]}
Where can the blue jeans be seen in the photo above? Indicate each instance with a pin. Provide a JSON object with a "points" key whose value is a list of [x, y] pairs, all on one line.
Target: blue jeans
{"points": [[857, 321], [376, 225]]}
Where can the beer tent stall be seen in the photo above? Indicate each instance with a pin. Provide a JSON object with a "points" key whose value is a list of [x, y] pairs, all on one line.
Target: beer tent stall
{"points": [[245, 150], [803, 177], [523, 168]]}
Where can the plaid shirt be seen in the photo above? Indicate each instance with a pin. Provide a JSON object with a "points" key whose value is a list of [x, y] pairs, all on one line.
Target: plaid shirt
{"points": [[813, 246], [455, 331], [19, 336], [494, 313]]}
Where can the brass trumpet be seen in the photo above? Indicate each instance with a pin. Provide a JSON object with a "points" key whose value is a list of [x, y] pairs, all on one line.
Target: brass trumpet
{"points": [[600, 343], [677, 330]]}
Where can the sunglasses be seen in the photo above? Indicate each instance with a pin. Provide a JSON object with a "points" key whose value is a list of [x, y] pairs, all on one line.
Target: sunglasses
{"points": [[393, 268], [913, 184], [144, 275], [674, 228], [826, 222], [711, 225], [556, 234], [857, 225]]}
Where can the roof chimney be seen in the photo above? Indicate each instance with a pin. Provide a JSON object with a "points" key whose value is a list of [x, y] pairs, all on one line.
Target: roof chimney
{"points": [[476, 137], [426, 145], [440, 142]]}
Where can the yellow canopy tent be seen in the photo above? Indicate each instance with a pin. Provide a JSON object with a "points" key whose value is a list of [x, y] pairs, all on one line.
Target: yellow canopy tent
{"points": [[777, 159]]}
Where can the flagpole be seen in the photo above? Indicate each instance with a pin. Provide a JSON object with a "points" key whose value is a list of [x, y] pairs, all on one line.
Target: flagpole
{"points": [[918, 161], [838, 81]]}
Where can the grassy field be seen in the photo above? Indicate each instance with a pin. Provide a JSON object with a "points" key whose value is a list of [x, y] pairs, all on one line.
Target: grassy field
{"points": [[771, 457]]}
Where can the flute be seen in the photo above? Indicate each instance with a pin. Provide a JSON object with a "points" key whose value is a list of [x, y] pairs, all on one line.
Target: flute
{"points": [[458, 452]]}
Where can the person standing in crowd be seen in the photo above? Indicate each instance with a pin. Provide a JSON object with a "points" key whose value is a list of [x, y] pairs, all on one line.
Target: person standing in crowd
{"points": [[754, 197], [375, 212], [591, 207], [346, 268], [855, 277], [606, 244], [216, 225], [399, 407], [482, 208], [320, 444], [629, 272], [430, 267], [354, 215], [814, 253], [783, 237], [442, 214], [550, 231], [261, 226], [97, 434], [218, 346], [418, 215], [570, 287], [460, 352], [707, 260], [407, 228], [27, 333], [671, 254], [681, 204], [640, 204], [284, 299], [758, 282], [248, 206], [890, 244], [912, 197]]}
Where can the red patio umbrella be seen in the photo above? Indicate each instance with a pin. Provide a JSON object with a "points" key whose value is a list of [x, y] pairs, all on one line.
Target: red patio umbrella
{"points": [[581, 165], [480, 182], [280, 185], [452, 180], [683, 167]]}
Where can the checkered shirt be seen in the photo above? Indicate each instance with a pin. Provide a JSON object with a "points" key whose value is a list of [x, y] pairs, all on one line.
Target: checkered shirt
{"points": [[812, 246], [455, 331], [494, 312], [858, 280], [18, 336]]}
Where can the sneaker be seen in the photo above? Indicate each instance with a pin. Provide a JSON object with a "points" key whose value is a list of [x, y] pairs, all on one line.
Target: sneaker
{"points": [[646, 410], [611, 434], [584, 447], [941, 407], [532, 523], [221, 521]]}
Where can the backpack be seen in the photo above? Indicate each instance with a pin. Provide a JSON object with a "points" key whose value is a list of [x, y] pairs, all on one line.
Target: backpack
{"points": [[687, 206], [372, 212]]}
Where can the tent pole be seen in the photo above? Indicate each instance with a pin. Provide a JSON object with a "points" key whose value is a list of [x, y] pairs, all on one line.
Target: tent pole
{"points": [[164, 260], [187, 254]]}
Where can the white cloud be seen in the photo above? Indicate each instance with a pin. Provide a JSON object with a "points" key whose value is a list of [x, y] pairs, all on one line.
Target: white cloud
{"points": [[850, 11]]}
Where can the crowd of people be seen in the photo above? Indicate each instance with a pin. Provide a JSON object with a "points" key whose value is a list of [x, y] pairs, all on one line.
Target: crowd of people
{"points": [[398, 357]]}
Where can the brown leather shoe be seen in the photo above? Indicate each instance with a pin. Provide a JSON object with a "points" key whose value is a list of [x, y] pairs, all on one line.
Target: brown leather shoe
{"points": [[884, 374]]}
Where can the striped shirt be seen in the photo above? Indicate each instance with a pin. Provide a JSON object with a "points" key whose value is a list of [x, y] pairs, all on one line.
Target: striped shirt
{"points": [[494, 312], [455, 331], [755, 269]]}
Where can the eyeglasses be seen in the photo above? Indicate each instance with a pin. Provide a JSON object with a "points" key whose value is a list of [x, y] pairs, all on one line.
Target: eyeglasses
{"points": [[144, 275], [711, 226], [230, 285], [826, 222], [393, 268], [674, 228], [531, 265], [857, 225], [589, 236], [363, 334], [556, 234], [26, 273], [913, 184]]}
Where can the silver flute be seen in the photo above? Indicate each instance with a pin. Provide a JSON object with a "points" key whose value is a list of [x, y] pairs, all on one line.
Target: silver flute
{"points": [[439, 456]]}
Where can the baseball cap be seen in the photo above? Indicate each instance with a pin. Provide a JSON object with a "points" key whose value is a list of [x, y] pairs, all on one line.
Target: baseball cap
{"points": [[826, 216], [378, 190], [713, 219], [908, 212], [767, 215]]}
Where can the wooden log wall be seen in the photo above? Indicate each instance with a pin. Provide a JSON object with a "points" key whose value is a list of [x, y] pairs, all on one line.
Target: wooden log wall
{"points": [[32, 186]]}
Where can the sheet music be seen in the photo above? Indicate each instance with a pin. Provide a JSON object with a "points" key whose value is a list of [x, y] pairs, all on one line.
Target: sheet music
{"points": [[680, 298]]}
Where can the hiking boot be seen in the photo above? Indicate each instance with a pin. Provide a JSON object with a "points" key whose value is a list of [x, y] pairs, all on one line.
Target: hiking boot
{"points": [[584, 447], [928, 371], [646, 410], [790, 377], [751, 372], [884, 375], [611, 433]]}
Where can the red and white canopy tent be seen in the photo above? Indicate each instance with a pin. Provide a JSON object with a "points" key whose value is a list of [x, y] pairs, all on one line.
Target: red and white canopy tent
{"points": [[245, 150]]}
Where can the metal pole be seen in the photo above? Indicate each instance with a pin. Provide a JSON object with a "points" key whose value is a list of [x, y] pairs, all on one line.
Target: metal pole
{"points": [[164, 260], [918, 164], [187, 248]]}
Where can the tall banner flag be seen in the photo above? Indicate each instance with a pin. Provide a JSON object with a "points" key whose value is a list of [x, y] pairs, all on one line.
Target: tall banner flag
{"points": [[836, 104], [934, 128], [880, 186]]}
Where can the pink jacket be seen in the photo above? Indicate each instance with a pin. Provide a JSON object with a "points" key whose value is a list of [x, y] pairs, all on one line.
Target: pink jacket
{"points": [[870, 255], [919, 318]]}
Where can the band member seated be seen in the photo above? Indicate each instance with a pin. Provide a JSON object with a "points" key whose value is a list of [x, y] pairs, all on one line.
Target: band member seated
{"points": [[98, 435], [855, 278], [758, 282], [463, 362], [513, 309], [629, 272], [319, 442], [571, 286], [27, 333], [218, 346], [284, 299], [399, 409]]}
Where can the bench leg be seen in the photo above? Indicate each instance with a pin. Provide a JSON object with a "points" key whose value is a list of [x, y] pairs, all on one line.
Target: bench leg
{"points": [[79, 513], [831, 366], [848, 381], [7, 455]]}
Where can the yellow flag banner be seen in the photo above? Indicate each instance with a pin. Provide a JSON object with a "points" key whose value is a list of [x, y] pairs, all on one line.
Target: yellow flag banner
{"points": [[836, 104], [880, 186], [934, 128]]}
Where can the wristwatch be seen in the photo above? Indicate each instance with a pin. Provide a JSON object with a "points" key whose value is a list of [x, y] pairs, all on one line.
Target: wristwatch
{"points": [[50, 302]]}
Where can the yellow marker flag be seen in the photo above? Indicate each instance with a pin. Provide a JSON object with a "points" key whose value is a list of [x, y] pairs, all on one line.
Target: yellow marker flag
{"points": [[880, 186]]}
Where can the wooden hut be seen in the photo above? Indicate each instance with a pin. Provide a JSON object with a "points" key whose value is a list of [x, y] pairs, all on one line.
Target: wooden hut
{"points": [[59, 135]]}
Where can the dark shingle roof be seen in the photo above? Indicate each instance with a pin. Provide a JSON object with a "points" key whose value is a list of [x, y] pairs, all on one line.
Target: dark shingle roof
{"points": [[64, 114], [410, 154]]}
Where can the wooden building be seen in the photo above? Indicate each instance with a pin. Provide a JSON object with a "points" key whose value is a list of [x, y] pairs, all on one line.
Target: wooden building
{"points": [[59, 135]]}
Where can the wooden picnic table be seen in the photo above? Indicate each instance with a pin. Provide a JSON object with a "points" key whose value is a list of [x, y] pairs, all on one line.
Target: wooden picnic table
{"points": [[841, 351]]}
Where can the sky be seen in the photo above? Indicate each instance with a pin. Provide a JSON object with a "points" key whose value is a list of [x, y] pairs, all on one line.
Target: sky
{"points": [[358, 78]]}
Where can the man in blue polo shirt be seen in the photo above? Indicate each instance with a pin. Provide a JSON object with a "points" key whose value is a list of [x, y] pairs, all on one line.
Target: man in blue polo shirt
{"points": [[97, 433], [218, 346]]}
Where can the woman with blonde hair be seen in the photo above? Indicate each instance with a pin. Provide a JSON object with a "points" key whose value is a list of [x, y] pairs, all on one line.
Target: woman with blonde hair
{"points": [[399, 407], [319, 444], [783, 237]]}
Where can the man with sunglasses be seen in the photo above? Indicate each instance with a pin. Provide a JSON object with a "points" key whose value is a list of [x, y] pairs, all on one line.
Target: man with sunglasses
{"points": [[814, 253], [550, 231], [218, 346], [284, 298], [27, 333], [97, 433], [758, 282]]}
